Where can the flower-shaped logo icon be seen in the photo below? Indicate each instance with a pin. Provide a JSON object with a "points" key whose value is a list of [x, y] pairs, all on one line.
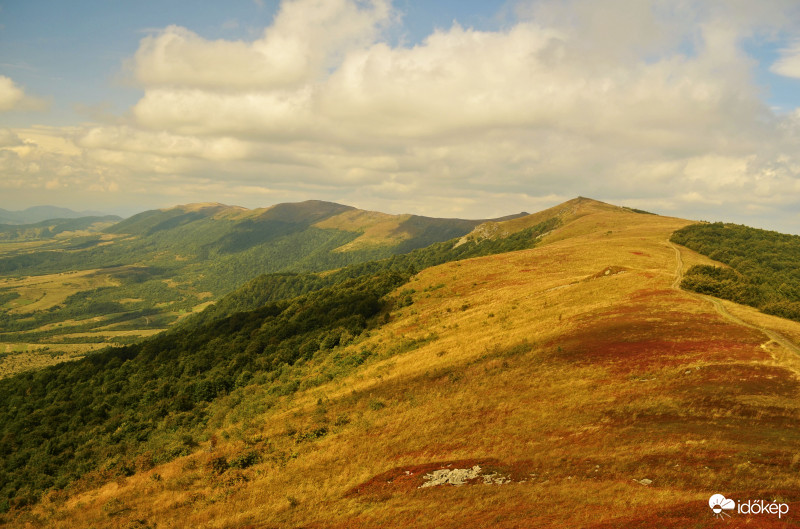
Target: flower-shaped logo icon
{"points": [[719, 504]]}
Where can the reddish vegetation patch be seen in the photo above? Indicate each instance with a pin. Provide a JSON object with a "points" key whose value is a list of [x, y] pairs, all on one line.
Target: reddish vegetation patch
{"points": [[744, 379], [634, 337], [692, 514], [698, 514], [641, 253], [409, 477]]}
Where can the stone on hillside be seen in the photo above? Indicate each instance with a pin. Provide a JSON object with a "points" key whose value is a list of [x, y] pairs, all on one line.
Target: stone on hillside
{"points": [[455, 476]]}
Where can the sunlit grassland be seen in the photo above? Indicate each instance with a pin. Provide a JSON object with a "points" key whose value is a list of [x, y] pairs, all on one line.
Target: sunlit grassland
{"points": [[18, 357], [573, 368], [40, 293], [753, 316], [10, 248], [376, 228], [68, 338], [46, 291], [58, 242]]}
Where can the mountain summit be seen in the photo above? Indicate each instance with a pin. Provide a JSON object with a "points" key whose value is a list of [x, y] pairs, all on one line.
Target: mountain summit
{"points": [[568, 384]]}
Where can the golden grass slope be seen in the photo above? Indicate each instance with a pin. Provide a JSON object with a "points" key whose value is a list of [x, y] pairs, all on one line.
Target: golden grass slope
{"points": [[45, 291], [565, 213], [377, 229], [573, 370]]}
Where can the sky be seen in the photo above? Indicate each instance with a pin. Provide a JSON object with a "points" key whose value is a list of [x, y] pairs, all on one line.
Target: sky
{"points": [[446, 108]]}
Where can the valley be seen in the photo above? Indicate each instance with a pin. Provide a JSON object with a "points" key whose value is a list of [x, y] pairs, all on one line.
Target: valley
{"points": [[333, 264], [570, 384], [72, 286]]}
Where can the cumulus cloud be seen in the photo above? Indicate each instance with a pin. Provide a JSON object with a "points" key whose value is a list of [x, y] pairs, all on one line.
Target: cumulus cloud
{"points": [[306, 37], [651, 103], [12, 97], [788, 64], [10, 94]]}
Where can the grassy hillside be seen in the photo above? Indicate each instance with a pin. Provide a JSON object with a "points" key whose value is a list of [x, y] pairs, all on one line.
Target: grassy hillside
{"points": [[150, 271], [161, 388], [570, 385]]}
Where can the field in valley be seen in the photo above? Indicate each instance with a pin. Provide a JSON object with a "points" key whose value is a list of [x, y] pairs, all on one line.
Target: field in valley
{"points": [[41, 335]]}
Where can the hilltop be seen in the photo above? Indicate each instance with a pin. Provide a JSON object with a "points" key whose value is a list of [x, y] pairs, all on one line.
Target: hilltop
{"points": [[370, 229], [572, 384], [69, 287]]}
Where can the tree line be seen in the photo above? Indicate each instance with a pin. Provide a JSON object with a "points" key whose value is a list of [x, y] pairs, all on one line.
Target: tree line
{"points": [[763, 271], [154, 397]]}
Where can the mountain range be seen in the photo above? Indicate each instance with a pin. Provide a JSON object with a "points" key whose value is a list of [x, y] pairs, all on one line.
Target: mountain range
{"points": [[568, 368], [36, 214], [130, 278]]}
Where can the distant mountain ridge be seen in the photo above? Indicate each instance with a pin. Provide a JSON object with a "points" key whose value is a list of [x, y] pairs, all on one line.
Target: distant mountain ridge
{"points": [[250, 227], [149, 271], [36, 214], [50, 228]]}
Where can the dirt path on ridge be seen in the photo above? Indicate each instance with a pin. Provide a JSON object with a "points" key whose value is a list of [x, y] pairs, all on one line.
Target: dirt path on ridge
{"points": [[722, 311]]}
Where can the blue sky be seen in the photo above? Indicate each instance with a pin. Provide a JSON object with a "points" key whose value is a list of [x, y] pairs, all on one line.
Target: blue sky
{"points": [[74, 53], [448, 108]]}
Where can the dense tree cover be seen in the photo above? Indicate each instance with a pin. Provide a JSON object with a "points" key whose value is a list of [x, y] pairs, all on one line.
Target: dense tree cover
{"points": [[274, 287], [108, 408], [62, 421], [170, 261], [635, 210], [764, 269]]}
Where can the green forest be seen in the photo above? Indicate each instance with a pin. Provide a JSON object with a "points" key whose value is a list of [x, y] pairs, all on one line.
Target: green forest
{"points": [[166, 263], [763, 271], [153, 401]]}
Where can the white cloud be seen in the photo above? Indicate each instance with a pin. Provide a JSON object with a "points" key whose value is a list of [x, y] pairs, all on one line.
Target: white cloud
{"points": [[306, 37], [650, 101], [12, 97], [788, 64], [10, 94]]}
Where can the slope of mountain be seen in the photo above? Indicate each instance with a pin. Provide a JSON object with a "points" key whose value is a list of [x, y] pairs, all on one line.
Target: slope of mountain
{"points": [[36, 214], [568, 385], [48, 229], [296, 317], [564, 213], [151, 270]]}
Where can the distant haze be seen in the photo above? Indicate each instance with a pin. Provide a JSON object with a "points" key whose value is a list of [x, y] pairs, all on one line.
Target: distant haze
{"points": [[40, 213]]}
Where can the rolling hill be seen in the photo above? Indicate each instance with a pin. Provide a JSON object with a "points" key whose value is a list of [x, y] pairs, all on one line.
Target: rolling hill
{"points": [[72, 286], [571, 384], [49, 229], [38, 214]]}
